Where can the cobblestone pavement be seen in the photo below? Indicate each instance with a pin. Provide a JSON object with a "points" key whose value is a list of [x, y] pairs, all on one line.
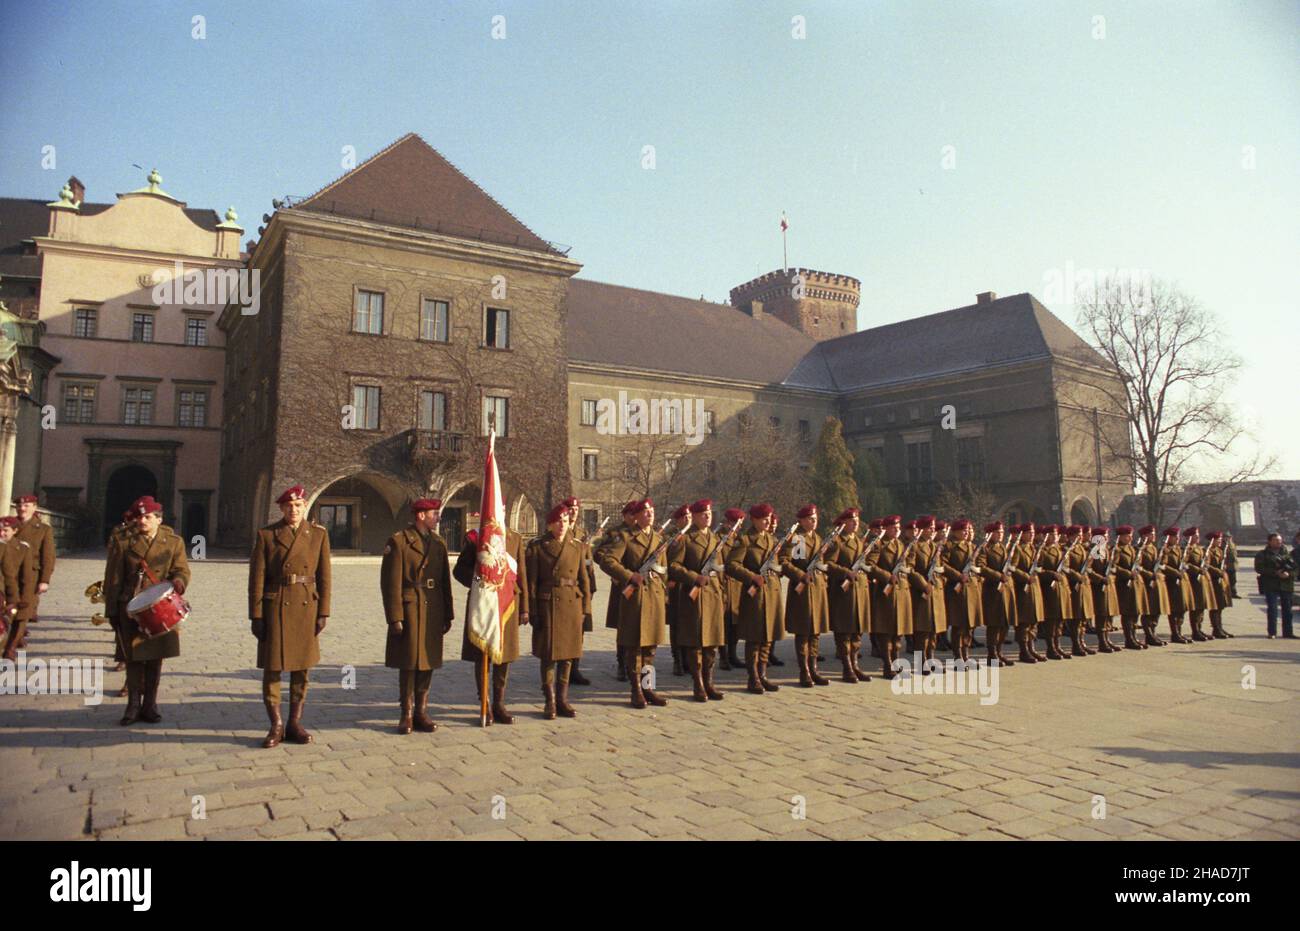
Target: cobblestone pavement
{"points": [[1169, 738]]}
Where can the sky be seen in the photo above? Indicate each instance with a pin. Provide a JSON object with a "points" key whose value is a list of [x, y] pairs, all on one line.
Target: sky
{"points": [[931, 150]]}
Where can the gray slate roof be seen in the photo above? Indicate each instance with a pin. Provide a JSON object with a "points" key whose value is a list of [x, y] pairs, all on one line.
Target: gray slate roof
{"points": [[627, 327]]}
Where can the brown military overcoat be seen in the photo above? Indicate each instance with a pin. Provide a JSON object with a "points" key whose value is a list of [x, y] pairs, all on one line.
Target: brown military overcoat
{"points": [[850, 607], [40, 537], [1180, 590], [1076, 571], [963, 599], [807, 612], [1198, 579], [998, 590], [1219, 583], [641, 616], [589, 565], [1153, 576], [611, 605], [1128, 582], [928, 614], [415, 581], [1029, 595], [759, 619], [20, 577], [123, 580], [701, 621], [288, 589], [891, 614], [559, 596]]}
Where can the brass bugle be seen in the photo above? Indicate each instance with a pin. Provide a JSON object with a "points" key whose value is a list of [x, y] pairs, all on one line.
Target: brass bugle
{"points": [[95, 592], [99, 620]]}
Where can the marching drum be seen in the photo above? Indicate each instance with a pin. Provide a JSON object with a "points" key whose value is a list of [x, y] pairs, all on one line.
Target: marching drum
{"points": [[158, 610]]}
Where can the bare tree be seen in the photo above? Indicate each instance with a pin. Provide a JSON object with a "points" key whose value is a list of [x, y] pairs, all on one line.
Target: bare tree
{"points": [[970, 500], [1173, 369], [743, 463]]}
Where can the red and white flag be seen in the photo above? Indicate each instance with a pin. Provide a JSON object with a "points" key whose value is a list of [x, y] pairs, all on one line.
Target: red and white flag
{"points": [[492, 594], [785, 224]]}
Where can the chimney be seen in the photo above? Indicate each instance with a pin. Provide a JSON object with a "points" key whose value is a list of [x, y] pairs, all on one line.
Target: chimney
{"points": [[78, 189], [754, 309], [986, 297]]}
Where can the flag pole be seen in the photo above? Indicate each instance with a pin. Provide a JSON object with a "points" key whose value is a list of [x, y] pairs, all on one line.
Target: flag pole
{"points": [[785, 261], [483, 704]]}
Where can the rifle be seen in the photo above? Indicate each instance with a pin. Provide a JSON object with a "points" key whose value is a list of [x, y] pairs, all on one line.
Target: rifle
{"points": [[1011, 554], [817, 557], [650, 563], [899, 567], [860, 563], [712, 565], [967, 572], [770, 562]]}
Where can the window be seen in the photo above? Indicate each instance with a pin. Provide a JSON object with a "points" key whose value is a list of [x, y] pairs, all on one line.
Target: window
{"points": [[496, 410], [775, 422], [671, 461], [708, 421], [710, 470], [631, 469], [914, 412], [86, 324], [497, 329], [672, 419], [196, 331], [919, 472], [192, 407], [142, 328], [368, 315], [590, 520], [433, 410], [970, 459], [588, 412], [365, 406], [589, 462], [1246, 513], [805, 430], [137, 405], [78, 403], [742, 424], [434, 323], [866, 420]]}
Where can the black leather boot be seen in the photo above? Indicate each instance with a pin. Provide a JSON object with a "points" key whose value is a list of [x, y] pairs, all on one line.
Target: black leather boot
{"points": [[276, 733]]}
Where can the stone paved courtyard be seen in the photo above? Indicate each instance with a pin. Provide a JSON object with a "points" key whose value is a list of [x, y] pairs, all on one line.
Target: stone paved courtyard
{"points": [[1169, 737]]}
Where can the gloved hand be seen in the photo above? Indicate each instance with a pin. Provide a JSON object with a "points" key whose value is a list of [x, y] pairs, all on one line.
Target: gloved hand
{"points": [[523, 619], [446, 626], [396, 629], [258, 627], [320, 624], [179, 585]]}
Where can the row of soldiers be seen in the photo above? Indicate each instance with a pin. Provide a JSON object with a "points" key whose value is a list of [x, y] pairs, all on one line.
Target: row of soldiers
{"points": [[920, 580], [711, 586], [27, 565]]}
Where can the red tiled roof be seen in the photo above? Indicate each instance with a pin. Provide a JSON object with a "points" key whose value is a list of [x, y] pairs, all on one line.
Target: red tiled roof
{"points": [[410, 184]]}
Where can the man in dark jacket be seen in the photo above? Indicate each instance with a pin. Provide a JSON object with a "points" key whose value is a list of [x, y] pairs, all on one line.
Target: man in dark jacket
{"points": [[1276, 571]]}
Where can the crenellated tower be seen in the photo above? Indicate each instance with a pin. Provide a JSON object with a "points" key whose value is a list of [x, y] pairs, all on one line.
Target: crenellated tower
{"points": [[821, 305]]}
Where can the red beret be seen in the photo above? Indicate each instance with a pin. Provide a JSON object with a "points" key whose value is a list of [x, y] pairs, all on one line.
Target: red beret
{"points": [[734, 514], [1100, 530], [570, 502], [808, 510], [960, 523], [877, 523], [1123, 529], [557, 513], [1171, 531], [922, 522], [1191, 530], [847, 515], [145, 505], [127, 515], [425, 504], [759, 511], [1214, 535], [1074, 529], [631, 507], [681, 512], [942, 524], [1146, 529], [910, 525], [11, 521], [291, 494], [639, 505], [25, 499], [699, 507], [890, 521]]}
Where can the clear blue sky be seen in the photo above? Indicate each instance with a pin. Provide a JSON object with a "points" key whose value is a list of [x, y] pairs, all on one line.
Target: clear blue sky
{"points": [[1119, 152]]}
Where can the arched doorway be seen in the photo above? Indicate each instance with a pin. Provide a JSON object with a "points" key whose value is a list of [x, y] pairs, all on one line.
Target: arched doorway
{"points": [[460, 515], [125, 485], [1081, 512], [361, 512]]}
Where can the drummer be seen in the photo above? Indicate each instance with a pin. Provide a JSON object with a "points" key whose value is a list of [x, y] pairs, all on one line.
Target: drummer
{"points": [[152, 554]]}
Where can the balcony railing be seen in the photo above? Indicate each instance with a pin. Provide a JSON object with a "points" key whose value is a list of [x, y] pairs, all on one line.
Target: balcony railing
{"points": [[436, 443]]}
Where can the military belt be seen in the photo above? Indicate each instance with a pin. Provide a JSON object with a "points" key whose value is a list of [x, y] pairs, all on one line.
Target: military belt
{"points": [[297, 579]]}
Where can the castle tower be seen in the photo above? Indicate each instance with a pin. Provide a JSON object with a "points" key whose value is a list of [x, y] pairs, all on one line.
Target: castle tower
{"points": [[819, 304]]}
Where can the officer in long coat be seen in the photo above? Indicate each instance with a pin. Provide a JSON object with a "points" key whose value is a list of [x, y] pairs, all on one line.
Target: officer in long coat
{"points": [[998, 594], [1056, 595], [39, 536], [1150, 563], [1105, 596], [1180, 590], [463, 572], [753, 562], [415, 581], [1220, 583], [1029, 596], [1080, 590], [19, 572], [849, 592], [929, 617], [640, 598], [628, 525], [574, 507], [1199, 579], [963, 590], [681, 519], [1129, 585], [559, 594], [727, 658], [807, 608], [695, 565], [891, 566], [154, 553], [288, 605]]}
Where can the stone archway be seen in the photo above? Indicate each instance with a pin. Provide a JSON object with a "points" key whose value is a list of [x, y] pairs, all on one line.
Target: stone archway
{"points": [[1083, 513], [360, 511], [125, 484]]}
